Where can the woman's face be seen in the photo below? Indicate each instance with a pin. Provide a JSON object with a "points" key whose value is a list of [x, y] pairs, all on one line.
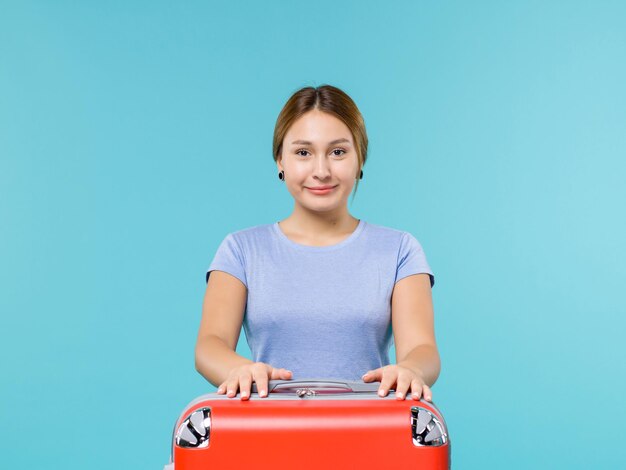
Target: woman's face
{"points": [[318, 151]]}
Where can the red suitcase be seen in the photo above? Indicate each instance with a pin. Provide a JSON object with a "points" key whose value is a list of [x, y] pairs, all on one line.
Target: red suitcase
{"points": [[310, 424]]}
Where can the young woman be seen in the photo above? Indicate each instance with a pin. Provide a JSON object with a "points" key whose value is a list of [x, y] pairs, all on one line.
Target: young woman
{"points": [[321, 292]]}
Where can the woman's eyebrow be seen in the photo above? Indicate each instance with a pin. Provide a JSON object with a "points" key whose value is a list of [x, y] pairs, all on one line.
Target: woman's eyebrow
{"points": [[306, 142]]}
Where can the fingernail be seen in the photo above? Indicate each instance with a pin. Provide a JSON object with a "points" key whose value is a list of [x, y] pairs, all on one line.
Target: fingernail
{"points": [[399, 395], [381, 393], [244, 394]]}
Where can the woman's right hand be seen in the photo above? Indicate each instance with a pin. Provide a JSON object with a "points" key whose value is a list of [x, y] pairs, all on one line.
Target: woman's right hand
{"points": [[242, 377]]}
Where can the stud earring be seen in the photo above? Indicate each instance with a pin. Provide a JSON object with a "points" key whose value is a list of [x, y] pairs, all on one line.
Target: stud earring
{"points": [[361, 175], [281, 175]]}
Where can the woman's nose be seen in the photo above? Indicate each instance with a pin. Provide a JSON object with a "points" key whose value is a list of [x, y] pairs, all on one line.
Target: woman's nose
{"points": [[322, 169]]}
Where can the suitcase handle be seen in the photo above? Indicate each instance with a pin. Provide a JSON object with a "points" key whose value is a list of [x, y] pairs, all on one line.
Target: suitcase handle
{"points": [[320, 386]]}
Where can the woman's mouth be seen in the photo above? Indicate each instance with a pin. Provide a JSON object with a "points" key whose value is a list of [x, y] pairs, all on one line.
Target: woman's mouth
{"points": [[321, 190]]}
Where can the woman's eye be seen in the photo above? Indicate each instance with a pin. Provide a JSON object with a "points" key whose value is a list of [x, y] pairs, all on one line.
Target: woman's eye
{"points": [[304, 152]]}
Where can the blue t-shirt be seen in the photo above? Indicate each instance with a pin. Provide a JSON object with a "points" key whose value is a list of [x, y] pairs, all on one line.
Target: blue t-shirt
{"points": [[320, 311]]}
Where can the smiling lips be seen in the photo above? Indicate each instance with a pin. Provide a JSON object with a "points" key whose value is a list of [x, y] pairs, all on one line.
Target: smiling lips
{"points": [[321, 189]]}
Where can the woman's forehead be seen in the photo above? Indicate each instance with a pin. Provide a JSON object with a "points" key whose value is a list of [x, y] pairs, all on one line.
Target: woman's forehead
{"points": [[317, 127]]}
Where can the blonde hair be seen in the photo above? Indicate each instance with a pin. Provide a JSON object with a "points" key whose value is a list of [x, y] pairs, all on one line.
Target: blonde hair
{"points": [[328, 99]]}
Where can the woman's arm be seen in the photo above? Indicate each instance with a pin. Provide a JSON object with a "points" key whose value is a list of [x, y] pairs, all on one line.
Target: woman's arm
{"points": [[418, 362], [216, 359], [222, 315], [412, 320]]}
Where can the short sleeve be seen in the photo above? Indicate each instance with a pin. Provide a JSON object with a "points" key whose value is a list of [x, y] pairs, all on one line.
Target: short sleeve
{"points": [[411, 259], [229, 258]]}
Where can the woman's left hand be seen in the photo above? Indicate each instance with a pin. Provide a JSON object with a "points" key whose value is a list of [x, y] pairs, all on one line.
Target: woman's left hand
{"points": [[402, 379]]}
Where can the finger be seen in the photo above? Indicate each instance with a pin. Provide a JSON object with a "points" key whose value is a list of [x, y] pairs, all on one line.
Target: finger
{"points": [[416, 387], [387, 382], [261, 379], [373, 375], [245, 382], [257, 378], [428, 394], [232, 387], [221, 388], [280, 374], [403, 384]]}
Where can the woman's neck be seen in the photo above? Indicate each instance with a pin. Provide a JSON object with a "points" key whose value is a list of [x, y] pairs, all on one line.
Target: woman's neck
{"points": [[318, 228]]}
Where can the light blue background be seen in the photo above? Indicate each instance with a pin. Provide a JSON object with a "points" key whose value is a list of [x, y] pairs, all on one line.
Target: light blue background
{"points": [[135, 135]]}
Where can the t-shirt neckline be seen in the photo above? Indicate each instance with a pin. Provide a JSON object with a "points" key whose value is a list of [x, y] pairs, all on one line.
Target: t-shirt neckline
{"points": [[341, 244]]}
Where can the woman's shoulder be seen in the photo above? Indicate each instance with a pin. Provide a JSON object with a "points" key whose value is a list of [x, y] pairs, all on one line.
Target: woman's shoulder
{"points": [[389, 233], [251, 233], [394, 239]]}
